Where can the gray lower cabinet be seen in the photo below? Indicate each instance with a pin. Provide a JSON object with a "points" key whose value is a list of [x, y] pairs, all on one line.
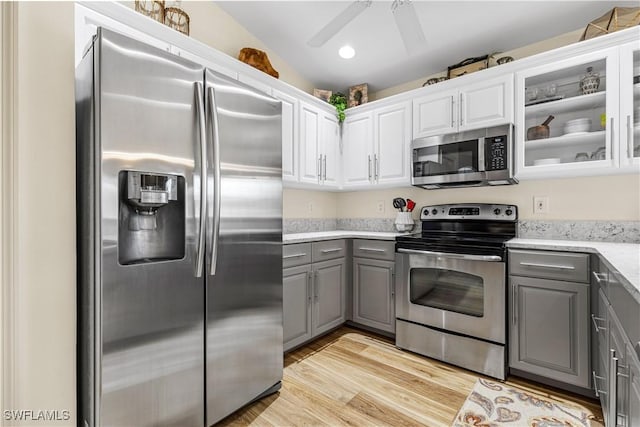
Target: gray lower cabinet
{"points": [[297, 302], [373, 293], [634, 391], [314, 294], [329, 288], [549, 330]]}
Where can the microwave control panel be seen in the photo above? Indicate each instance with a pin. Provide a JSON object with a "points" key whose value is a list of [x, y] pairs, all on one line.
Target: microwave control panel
{"points": [[495, 153]]}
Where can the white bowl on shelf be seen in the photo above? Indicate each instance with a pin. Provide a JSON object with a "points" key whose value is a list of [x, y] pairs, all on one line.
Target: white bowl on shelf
{"points": [[577, 126], [549, 161]]}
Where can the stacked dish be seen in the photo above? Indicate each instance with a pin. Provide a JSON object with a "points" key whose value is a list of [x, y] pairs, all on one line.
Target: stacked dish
{"points": [[577, 126]]}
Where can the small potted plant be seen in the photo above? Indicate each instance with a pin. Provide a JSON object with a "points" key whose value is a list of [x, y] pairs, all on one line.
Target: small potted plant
{"points": [[339, 100]]}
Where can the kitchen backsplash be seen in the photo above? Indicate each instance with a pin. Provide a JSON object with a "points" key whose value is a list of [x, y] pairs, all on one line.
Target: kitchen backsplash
{"points": [[603, 231]]}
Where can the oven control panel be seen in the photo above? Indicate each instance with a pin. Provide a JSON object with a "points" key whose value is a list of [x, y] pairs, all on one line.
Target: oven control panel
{"points": [[477, 211]]}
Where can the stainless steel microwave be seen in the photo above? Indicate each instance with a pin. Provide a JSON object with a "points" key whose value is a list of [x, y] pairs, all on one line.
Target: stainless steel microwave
{"points": [[466, 159]]}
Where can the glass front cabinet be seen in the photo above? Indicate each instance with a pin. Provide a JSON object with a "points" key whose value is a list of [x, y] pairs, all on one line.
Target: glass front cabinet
{"points": [[568, 116], [630, 106]]}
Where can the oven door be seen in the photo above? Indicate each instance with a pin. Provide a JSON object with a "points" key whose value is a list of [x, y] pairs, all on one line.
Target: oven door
{"points": [[457, 293]]}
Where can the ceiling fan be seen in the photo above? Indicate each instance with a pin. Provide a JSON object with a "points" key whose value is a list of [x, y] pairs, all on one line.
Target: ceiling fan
{"points": [[403, 12]]}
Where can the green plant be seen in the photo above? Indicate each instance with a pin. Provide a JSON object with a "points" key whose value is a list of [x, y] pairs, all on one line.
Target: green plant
{"points": [[339, 100]]}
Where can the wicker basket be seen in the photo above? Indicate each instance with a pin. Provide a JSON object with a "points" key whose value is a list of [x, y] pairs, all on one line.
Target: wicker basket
{"points": [[177, 19], [151, 8]]}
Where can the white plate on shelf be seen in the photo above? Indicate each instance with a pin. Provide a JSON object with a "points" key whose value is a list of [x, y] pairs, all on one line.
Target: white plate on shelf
{"points": [[582, 132], [549, 161]]}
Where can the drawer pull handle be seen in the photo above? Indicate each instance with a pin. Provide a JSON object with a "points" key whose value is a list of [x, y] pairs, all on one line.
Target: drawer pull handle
{"points": [[595, 321], [558, 267], [293, 256], [600, 277], [373, 250], [328, 251]]}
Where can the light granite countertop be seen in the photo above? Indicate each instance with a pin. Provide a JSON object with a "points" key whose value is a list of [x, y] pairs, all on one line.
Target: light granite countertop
{"points": [[624, 258], [338, 234]]}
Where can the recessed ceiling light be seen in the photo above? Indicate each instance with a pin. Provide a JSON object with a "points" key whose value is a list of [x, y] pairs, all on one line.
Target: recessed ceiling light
{"points": [[346, 52]]}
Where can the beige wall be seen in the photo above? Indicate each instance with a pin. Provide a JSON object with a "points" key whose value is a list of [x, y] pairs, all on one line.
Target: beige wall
{"points": [[45, 212], [519, 53], [309, 204], [593, 198]]}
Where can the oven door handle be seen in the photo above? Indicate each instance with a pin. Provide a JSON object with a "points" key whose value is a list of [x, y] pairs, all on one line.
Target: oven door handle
{"points": [[467, 257]]}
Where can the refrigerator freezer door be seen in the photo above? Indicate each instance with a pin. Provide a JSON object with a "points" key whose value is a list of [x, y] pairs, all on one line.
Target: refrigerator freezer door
{"points": [[244, 295], [149, 314]]}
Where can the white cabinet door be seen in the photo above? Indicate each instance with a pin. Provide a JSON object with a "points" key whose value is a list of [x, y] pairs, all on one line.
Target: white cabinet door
{"points": [[289, 135], [309, 144], [435, 114], [330, 150], [392, 136], [565, 152], [487, 103], [629, 107], [357, 151]]}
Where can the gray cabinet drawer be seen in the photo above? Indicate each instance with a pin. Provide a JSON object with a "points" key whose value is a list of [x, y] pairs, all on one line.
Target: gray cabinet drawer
{"points": [[376, 249], [330, 249], [297, 254], [572, 267]]}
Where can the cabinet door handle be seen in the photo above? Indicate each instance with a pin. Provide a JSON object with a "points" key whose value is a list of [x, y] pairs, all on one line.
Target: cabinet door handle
{"points": [[453, 122], [393, 284], [557, 267], [600, 277], [369, 159], [320, 168], [629, 133], [315, 285], [461, 118], [595, 321], [309, 287], [294, 256], [373, 250], [613, 388], [376, 166], [324, 166]]}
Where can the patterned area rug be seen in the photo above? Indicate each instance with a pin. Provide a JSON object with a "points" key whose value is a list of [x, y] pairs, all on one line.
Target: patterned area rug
{"points": [[494, 404]]}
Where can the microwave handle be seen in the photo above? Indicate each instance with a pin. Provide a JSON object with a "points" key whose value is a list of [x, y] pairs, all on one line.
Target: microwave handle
{"points": [[481, 151]]}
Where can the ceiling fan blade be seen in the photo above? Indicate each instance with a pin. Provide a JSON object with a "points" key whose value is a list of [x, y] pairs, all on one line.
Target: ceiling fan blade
{"points": [[409, 26], [339, 22]]}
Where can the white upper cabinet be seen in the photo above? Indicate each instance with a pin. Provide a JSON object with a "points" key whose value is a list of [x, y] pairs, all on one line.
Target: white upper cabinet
{"points": [[376, 147], [330, 150], [630, 106], [289, 135], [357, 151], [435, 114], [319, 147], [486, 103], [392, 138], [482, 104], [582, 95], [309, 144]]}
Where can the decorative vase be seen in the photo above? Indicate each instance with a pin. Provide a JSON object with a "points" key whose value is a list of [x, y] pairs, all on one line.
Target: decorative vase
{"points": [[589, 82]]}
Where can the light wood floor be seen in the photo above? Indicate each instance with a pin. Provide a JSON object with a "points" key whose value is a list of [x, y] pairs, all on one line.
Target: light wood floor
{"points": [[354, 378]]}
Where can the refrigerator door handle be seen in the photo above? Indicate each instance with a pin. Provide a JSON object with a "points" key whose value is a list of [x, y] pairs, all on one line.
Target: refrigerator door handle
{"points": [[216, 180], [203, 178]]}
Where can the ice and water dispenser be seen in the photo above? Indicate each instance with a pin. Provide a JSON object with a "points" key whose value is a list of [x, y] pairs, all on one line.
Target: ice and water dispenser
{"points": [[151, 219]]}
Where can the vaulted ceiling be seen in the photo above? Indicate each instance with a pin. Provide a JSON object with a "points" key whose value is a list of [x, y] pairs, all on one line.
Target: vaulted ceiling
{"points": [[454, 30]]}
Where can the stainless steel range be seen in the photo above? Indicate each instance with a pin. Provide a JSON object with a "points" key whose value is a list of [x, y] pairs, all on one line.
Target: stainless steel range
{"points": [[451, 285]]}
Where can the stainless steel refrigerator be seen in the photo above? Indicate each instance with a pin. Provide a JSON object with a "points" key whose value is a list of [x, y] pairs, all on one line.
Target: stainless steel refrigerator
{"points": [[179, 197]]}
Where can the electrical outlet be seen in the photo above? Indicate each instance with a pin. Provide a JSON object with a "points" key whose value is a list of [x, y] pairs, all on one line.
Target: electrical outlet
{"points": [[380, 206], [310, 207], [540, 204]]}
